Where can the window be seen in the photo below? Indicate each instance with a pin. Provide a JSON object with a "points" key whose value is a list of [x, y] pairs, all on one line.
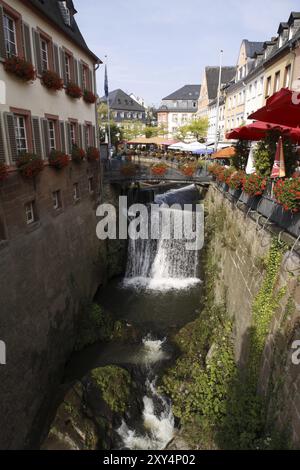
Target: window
{"points": [[65, 13], [280, 42], [175, 118], [10, 35], [291, 32], [68, 67], [287, 76], [75, 191], [91, 184], [254, 90], [87, 136], [44, 54], [73, 133], [56, 198], [268, 86], [30, 212], [52, 134], [21, 134], [277, 82], [260, 86]]}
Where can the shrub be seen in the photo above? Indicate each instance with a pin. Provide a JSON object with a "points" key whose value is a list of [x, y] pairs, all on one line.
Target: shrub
{"points": [[21, 68], [52, 81], [92, 154], [287, 193], [29, 165], [3, 171], [58, 159], [78, 154], [89, 97], [254, 185], [73, 90], [237, 179]]}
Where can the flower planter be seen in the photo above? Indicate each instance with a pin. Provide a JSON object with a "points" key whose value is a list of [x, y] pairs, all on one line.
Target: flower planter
{"points": [[92, 154], [159, 169], [78, 154], [89, 97], [20, 68], [250, 201], [235, 193], [58, 159], [29, 165], [3, 171], [74, 91], [287, 193], [52, 81]]}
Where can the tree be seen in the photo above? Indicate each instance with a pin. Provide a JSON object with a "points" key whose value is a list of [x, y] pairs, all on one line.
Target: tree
{"points": [[154, 131], [239, 161], [196, 128]]}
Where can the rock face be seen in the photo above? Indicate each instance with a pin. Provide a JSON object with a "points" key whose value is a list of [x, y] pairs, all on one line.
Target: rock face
{"points": [[92, 409]]}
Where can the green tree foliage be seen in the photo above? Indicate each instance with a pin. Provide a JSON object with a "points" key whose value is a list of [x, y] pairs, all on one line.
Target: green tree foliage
{"points": [[196, 129], [239, 161], [265, 152]]}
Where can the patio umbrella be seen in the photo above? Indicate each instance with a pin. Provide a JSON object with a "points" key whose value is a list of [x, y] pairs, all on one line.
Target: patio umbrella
{"points": [[225, 153], [281, 108], [194, 146], [258, 131], [177, 146], [250, 168], [278, 170]]}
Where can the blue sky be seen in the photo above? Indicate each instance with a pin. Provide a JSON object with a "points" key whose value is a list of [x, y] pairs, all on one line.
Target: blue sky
{"points": [[157, 46]]}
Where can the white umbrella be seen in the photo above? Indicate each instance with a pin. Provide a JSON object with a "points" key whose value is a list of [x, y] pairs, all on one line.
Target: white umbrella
{"points": [[194, 146], [178, 146], [250, 168]]}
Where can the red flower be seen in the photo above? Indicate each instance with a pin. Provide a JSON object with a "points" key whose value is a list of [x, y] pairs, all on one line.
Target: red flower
{"points": [[254, 185], [287, 193], [58, 159], [236, 180], [159, 169], [73, 90], [21, 68], [92, 154], [188, 169], [52, 81], [29, 165], [89, 97], [78, 154]]}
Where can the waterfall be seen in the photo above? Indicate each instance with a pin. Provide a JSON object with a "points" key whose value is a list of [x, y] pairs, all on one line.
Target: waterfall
{"points": [[162, 264]]}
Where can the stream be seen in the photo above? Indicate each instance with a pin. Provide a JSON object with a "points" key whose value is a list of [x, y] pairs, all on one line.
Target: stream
{"points": [[159, 294]]}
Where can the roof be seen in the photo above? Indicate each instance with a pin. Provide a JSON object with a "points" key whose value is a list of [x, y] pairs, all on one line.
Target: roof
{"points": [[187, 92], [212, 79], [51, 9], [253, 47], [119, 100], [295, 15]]}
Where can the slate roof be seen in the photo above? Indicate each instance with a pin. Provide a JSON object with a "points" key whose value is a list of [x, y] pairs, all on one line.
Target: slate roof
{"points": [[253, 47], [119, 100], [212, 79], [187, 92], [51, 9]]}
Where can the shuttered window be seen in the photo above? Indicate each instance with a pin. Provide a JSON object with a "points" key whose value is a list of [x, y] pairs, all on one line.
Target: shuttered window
{"points": [[69, 140], [52, 134], [21, 133], [2, 145], [68, 68], [10, 35], [37, 136], [11, 136], [2, 38], [44, 55], [45, 126], [62, 136], [94, 136], [37, 51], [27, 42], [56, 59], [80, 136]]}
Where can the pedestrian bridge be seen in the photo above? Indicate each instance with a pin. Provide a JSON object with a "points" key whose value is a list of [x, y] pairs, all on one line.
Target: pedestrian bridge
{"points": [[114, 171]]}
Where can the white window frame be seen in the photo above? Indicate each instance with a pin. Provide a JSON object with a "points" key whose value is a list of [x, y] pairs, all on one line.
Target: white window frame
{"points": [[56, 198], [76, 196], [9, 43], [287, 77], [44, 54], [73, 133], [68, 67], [52, 134], [29, 213], [277, 82], [21, 133]]}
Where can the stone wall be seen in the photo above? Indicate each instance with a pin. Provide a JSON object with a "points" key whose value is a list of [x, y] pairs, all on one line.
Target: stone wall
{"points": [[47, 270], [240, 245]]}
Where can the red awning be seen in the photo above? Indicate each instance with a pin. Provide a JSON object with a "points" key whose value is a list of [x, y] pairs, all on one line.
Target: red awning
{"points": [[257, 131], [281, 108]]}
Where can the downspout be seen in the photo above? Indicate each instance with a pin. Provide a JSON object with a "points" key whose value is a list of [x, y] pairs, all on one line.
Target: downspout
{"points": [[96, 67]]}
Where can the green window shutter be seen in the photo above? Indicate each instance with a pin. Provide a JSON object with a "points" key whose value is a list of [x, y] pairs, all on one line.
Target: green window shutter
{"points": [[63, 66], [11, 136], [94, 137], [76, 74], [80, 136], [62, 136], [37, 51], [2, 39], [2, 143], [45, 127], [69, 140], [27, 42], [37, 141], [56, 59]]}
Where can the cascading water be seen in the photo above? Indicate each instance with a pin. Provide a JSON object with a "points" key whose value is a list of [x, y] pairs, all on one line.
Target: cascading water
{"points": [[164, 263]]}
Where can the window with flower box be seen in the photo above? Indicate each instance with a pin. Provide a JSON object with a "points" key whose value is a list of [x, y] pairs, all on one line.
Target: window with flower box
{"points": [[68, 67], [44, 55], [10, 35], [21, 133], [73, 133], [52, 134]]}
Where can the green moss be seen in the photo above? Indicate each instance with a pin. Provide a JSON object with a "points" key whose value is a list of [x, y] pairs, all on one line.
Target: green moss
{"points": [[114, 384]]}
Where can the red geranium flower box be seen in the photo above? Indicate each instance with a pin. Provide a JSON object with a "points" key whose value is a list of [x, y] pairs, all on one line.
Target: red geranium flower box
{"points": [[52, 80], [159, 169], [30, 165], [287, 193], [20, 68], [73, 90], [58, 159], [254, 185], [78, 154], [89, 97], [92, 154]]}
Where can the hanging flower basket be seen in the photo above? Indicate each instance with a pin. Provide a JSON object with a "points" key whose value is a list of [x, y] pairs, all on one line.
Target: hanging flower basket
{"points": [[52, 80], [73, 90], [78, 154], [3, 171], [92, 154], [188, 170], [159, 169], [287, 194], [20, 68], [89, 97], [254, 185], [236, 180], [128, 170], [58, 159], [30, 165]]}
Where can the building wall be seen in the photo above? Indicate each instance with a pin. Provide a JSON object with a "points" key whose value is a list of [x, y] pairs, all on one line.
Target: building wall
{"points": [[212, 118], [203, 99], [278, 66], [254, 95]]}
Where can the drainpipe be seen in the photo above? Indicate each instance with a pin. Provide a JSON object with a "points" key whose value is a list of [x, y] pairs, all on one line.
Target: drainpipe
{"points": [[96, 67]]}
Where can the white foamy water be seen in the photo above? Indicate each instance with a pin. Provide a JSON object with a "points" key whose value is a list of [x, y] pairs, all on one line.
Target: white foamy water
{"points": [[152, 349], [160, 284]]}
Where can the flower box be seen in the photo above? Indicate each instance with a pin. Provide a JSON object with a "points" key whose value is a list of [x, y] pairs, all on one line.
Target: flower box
{"points": [[188, 170], [20, 68], [73, 90], [159, 169], [78, 154], [92, 154], [254, 185], [89, 97], [3, 171], [236, 180], [287, 194], [52, 80], [30, 165], [58, 159]]}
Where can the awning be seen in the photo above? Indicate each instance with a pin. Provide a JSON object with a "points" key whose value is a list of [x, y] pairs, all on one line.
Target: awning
{"points": [[148, 141], [228, 152], [258, 130], [281, 108]]}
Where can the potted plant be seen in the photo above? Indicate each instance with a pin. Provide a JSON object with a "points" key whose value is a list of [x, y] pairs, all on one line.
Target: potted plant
{"points": [[188, 169], [159, 169], [78, 154], [92, 154], [235, 182], [29, 165], [58, 159], [287, 194], [254, 185], [52, 80], [3, 171], [73, 90], [89, 97], [20, 68]]}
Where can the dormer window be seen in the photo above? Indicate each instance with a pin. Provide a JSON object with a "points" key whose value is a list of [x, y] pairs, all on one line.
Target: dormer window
{"points": [[280, 41], [291, 32], [65, 13]]}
